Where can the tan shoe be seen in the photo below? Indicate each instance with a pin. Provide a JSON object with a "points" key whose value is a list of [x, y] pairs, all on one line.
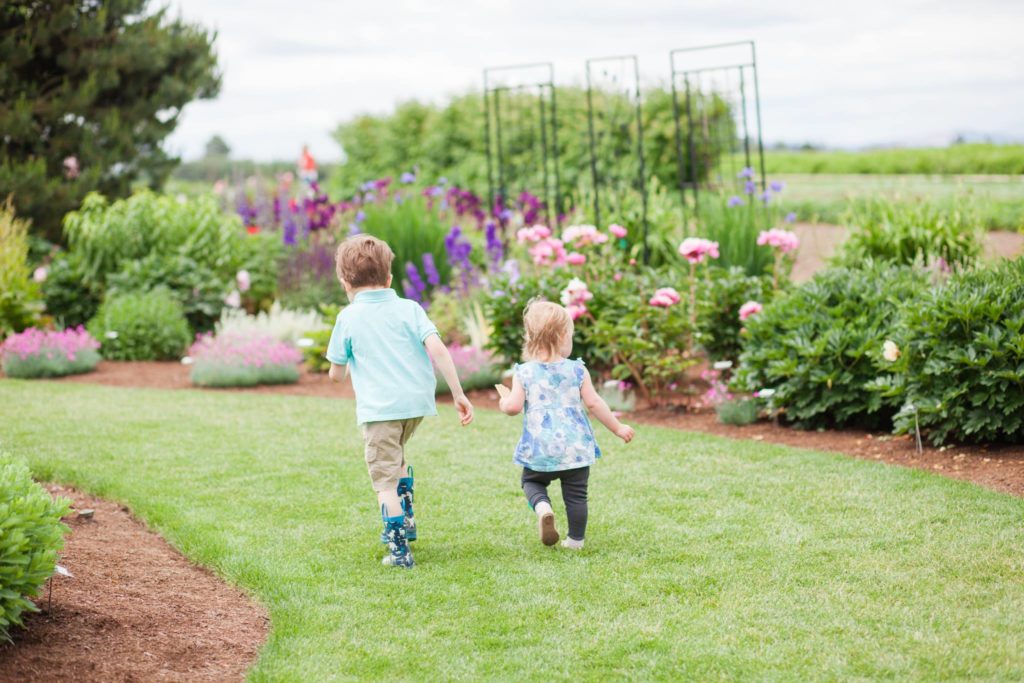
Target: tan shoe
{"points": [[546, 526]]}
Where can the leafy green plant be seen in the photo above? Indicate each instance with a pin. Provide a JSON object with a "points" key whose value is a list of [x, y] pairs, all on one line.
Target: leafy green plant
{"points": [[411, 230], [141, 326], [31, 535], [960, 373], [815, 346], [719, 300], [20, 300], [199, 290], [71, 297], [907, 233], [738, 411]]}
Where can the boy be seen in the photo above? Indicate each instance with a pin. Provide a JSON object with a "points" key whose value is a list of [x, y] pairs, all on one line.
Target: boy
{"points": [[387, 344]]}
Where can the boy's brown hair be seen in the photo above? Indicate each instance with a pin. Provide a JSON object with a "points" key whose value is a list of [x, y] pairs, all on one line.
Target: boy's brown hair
{"points": [[546, 324], [364, 261]]}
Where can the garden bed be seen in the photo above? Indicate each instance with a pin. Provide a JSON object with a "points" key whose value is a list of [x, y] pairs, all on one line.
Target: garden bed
{"points": [[132, 594], [996, 467]]}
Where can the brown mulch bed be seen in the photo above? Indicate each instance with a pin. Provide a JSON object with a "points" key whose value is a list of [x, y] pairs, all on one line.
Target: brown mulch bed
{"points": [[135, 610]]}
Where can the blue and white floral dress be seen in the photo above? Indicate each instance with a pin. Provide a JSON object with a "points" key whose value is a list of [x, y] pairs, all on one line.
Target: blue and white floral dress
{"points": [[556, 432]]}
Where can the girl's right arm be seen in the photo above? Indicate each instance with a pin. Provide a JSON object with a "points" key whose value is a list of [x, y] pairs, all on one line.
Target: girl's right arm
{"points": [[600, 410]]}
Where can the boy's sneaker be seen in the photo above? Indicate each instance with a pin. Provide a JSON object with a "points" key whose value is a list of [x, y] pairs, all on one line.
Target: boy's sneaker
{"points": [[394, 528], [546, 527]]}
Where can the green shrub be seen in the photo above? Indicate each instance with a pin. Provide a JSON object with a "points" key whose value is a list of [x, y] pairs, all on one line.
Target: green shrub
{"points": [[20, 301], [738, 411], [718, 309], [411, 230], [907, 233], [31, 535], [199, 290], [962, 364], [71, 297], [141, 326], [816, 345]]}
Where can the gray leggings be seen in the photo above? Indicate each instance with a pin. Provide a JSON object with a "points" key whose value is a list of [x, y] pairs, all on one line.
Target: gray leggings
{"points": [[574, 494]]}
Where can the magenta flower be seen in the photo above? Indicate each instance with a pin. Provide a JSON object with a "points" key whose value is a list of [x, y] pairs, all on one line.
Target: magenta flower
{"points": [[696, 249], [748, 309], [575, 259], [664, 297], [783, 240], [617, 230]]}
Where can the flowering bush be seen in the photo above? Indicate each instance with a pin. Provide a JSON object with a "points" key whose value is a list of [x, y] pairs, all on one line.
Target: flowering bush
{"points": [[241, 360], [38, 353], [278, 323], [30, 538], [477, 368], [141, 326], [956, 367], [816, 345]]}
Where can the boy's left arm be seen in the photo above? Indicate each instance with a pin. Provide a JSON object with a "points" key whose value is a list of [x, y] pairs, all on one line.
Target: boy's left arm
{"points": [[438, 353]]}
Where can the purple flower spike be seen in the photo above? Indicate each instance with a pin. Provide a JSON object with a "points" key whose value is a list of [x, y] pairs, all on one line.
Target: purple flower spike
{"points": [[430, 268], [495, 249], [414, 279], [777, 185], [747, 172], [410, 292], [766, 197], [360, 216], [735, 201], [408, 178], [790, 217], [750, 187]]}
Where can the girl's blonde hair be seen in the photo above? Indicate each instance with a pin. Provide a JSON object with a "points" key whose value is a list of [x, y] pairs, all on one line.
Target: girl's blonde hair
{"points": [[546, 324]]}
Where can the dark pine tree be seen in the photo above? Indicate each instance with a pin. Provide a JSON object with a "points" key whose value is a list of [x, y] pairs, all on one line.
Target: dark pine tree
{"points": [[89, 90]]}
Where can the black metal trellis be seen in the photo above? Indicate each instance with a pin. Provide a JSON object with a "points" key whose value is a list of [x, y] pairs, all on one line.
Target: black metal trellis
{"points": [[601, 178], [507, 126], [694, 153]]}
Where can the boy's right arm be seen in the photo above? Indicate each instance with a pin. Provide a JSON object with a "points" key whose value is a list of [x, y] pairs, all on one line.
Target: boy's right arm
{"points": [[599, 409]]}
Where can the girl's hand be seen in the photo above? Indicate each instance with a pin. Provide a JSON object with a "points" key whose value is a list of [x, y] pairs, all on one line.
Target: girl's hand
{"points": [[503, 391], [625, 432]]}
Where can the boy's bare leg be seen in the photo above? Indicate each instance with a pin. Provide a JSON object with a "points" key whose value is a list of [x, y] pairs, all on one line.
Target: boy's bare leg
{"points": [[391, 500]]}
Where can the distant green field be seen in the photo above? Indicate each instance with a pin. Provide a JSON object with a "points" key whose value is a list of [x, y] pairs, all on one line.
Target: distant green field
{"points": [[972, 159], [997, 200]]}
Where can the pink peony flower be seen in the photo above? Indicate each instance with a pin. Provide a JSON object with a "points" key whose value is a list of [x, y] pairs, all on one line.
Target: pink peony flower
{"points": [[243, 280], [617, 230], [40, 273], [748, 309], [696, 249], [582, 235], [575, 259], [617, 277], [548, 252], [234, 299], [783, 240], [576, 311], [665, 297], [576, 292], [533, 234]]}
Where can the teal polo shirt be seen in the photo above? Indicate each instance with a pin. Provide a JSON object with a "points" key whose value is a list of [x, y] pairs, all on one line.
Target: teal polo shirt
{"points": [[380, 337]]}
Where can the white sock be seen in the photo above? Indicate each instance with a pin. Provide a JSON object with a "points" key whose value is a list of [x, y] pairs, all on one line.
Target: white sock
{"points": [[542, 508], [572, 543]]}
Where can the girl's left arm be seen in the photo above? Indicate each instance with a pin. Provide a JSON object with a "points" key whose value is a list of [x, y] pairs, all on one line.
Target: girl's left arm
{"points": [[511, 402], [600, 410]]}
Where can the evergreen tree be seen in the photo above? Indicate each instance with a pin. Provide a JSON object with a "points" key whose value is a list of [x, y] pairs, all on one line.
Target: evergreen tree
{"points": [[217, 148], [89, 90]]}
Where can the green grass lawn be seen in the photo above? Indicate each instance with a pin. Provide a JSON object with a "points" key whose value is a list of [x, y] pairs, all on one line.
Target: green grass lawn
{"points": [[706, 558]]}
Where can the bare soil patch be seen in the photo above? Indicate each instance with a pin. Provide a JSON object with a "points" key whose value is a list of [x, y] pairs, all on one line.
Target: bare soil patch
{"points": [[135, 610]]}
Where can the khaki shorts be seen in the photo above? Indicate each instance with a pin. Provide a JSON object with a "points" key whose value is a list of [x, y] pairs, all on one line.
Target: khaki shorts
{"points": [[385, 450]]}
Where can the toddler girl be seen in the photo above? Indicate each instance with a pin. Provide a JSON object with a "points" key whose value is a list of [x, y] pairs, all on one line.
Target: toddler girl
{"points": [[558, 441]]}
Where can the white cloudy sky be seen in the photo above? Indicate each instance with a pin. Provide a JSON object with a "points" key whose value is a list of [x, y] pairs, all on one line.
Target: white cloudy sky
{"points": [[839, 73]]}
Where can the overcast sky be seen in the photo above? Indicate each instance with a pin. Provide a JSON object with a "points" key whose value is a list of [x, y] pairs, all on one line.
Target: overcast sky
{"points": [[837, 73]]}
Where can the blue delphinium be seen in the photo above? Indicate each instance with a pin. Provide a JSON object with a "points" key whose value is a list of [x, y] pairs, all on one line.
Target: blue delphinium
{"points": [[430, 268], [750, 187], [495, 249], [747, 172], [735, 201], [776, 186], [415, 280]]}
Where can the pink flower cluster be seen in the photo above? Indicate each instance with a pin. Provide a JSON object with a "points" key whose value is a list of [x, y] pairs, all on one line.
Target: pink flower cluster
{"points": [[583, 235], [696, 249], [783, 240], [665, 297], [35, 342], [575, 297], [533, 234], [748, 309], [617, 230], [549, 252], [470, 360], [244, 350]]}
